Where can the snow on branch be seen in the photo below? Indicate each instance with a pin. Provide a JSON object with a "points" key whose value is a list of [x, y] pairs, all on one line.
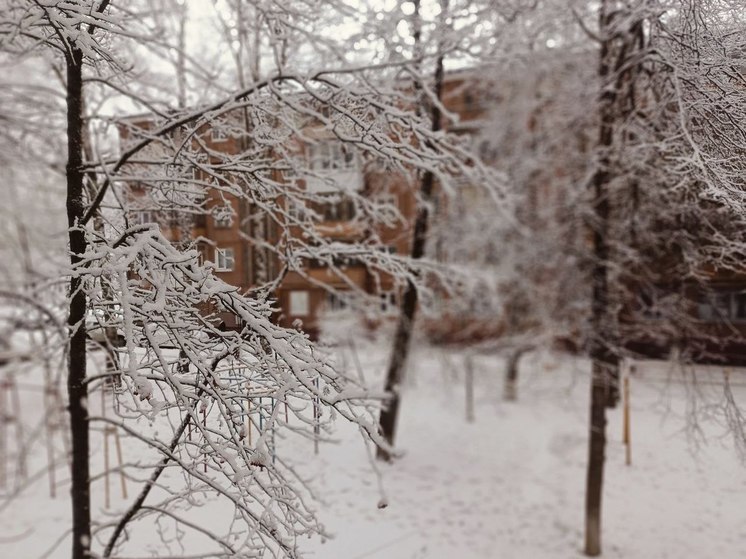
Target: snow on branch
{"points": [[179, 366]]}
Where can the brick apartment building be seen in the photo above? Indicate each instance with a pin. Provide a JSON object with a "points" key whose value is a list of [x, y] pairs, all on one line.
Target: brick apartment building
{"points": [[239, 238], [242, 242]]}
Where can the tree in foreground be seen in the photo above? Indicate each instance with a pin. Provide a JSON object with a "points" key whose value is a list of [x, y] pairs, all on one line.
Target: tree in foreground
{"points": [[221, 396], [656, 174]]}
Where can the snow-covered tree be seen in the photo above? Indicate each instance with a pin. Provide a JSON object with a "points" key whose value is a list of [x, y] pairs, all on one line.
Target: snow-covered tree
{"points": [[157, 302], [656, 176]]}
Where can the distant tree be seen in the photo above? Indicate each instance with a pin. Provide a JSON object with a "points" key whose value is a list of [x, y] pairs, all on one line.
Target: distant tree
{"points": [[444, 35]]}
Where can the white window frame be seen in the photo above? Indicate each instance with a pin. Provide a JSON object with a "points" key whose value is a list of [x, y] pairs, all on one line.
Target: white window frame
{"points": [[336, 207], [299, 303], [223, 218], [223, 222], [387, 198], [389, 303], [331, 156], [297, 210], [332, 167], [722, 306], [144, 217], [218, 135], [389, 203], [225, 259], [335, 302]]}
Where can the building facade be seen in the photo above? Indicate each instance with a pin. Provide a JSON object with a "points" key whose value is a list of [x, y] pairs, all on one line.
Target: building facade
{"points": [[512, 124]]}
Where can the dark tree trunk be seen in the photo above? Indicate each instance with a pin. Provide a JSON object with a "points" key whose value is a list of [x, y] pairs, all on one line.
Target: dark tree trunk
{"points": [[77, 388], [510, 392], [402, 338], [596, 458], [604, 362], [619, 64], [404, 328]]}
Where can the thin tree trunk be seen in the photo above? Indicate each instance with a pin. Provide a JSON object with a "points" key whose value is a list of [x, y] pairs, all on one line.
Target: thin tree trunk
{"points": [[510, 392], [76, 384], [404, 328], [596, 459], [604, 364], [616, 71], [469, 387]]}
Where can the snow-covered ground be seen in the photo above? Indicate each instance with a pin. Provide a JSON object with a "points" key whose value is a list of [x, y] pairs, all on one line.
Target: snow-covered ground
{"points": [[511, 484], [508, 485]]}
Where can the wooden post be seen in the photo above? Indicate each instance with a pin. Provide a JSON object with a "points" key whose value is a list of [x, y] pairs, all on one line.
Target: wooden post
{"points": [[18, 422], [54, 424], [469, 387], [49, 435], [356, 358], [107, 491], [10, 417], [51, 409], [248, 411], [626, 435], [316, 415], [110, 430], [122, 480], [274, 448], [204, 426], [4, 418]]}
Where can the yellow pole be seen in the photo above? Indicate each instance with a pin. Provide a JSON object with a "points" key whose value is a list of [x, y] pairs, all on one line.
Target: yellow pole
{"points": [[4, 418]]}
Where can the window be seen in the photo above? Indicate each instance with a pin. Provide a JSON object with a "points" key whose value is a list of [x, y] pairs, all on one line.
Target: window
{"points": [[224, 259], [331, 155], [333, 167], [388, 206], [388, 303], [337, 208], [300, 303], [387, 199], [296, 210], [488, 152], [176, 171], [739, 310], [217, 134], [222, 216], [199, 220], [649, 300], [344, 210], [202, 253], [143, 217], [335, 302], [722, 306], [223, 221], [469, 100]]}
